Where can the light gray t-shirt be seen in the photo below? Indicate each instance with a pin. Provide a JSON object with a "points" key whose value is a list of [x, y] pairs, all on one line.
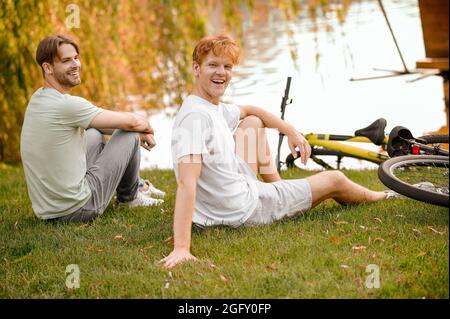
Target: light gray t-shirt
{"points": [[53, 150], [225, 195]]}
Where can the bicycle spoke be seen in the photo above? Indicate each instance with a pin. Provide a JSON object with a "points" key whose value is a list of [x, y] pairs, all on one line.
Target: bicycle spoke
{"points": [[417, 173], [422, 177]]}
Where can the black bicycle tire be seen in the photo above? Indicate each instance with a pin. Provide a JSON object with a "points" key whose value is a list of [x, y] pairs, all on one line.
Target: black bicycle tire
{"points": [[324, 152], [435, 139], [397, 185]]}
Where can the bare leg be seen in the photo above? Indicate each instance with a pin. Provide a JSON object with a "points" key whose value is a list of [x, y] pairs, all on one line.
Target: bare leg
{"points": [[335, 185], [253, 148]]}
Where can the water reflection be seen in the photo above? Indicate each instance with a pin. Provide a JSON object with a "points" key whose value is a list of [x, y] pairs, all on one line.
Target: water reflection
{"points": [[321, 64]]}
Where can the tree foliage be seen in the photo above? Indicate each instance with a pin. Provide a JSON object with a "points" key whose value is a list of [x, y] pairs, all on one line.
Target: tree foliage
{"points": [[129, 48], [139, 48]]}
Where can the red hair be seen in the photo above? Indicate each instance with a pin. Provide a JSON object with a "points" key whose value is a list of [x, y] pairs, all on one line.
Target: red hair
{"points": [[220, 45]]}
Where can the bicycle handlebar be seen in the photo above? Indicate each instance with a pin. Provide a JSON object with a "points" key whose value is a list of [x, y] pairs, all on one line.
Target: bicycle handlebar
{"points": [[284, 103], [285, 97]]}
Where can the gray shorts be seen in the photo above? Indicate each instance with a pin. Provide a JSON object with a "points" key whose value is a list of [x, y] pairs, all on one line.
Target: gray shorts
{"points": [[277, 200]]}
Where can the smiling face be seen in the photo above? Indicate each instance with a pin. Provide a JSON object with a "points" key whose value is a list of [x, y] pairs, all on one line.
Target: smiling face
{"points": [[212, 77], [66, 67]]}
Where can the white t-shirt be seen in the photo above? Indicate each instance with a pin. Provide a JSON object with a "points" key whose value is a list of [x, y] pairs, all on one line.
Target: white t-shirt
{"points": [[225, 194], [53, 150]]}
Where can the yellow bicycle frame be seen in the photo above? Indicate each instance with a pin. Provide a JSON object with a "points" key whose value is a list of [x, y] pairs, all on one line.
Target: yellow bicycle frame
{"points": [[334, 142]]}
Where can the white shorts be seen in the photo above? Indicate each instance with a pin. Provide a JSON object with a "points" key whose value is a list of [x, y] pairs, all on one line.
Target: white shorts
{"points": [[277, 200]]}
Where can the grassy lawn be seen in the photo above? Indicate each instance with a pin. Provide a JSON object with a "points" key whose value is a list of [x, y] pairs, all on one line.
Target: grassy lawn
{"points": [[322, 254]]}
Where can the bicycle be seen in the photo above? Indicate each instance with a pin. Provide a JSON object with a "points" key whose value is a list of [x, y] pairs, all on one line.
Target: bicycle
{"points": [[417, 170], [334, 145], [407, 163]]}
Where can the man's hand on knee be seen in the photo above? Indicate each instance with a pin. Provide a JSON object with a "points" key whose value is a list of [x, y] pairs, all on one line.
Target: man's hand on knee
{"points": [[147, 141]]}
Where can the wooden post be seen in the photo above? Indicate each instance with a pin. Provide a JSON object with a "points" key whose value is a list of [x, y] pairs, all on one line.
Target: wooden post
{"points": [[434, 17], [444, 130]]}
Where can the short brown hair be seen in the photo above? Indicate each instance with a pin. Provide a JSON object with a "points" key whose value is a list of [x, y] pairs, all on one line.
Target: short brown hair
{"points": [[221, 44], [48, 48]]}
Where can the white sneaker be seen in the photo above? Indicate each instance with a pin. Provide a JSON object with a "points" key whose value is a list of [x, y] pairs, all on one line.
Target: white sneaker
{"points": [[142, 200], [425, 185], [151, 190], [390, 194]]}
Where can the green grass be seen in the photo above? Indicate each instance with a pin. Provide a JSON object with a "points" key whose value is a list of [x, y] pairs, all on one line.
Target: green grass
{"points": [[310, 256]]}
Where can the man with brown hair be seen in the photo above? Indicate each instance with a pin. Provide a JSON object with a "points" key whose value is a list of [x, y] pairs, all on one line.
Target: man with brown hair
{"points": [[216, 170], [71, 173]]}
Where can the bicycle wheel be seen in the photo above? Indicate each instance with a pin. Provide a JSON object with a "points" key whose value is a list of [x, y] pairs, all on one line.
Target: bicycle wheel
{"points": [[435, 139], [403, 174]]}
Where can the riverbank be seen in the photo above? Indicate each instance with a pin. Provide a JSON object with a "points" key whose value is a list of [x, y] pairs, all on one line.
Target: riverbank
{"points": [[326, 253]]}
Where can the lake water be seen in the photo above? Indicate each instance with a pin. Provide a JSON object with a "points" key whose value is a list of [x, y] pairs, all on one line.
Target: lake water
{"points": [[324, 98]]}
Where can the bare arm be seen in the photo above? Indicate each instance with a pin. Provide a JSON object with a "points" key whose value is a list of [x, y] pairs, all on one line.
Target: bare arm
{"points": [[121, 120], [189, 168], [147, 140], [269, 120], [295, 138], [107, 121]]}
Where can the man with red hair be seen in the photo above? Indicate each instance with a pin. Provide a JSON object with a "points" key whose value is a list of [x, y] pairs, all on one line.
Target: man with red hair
{"points": [[217, 171]]}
